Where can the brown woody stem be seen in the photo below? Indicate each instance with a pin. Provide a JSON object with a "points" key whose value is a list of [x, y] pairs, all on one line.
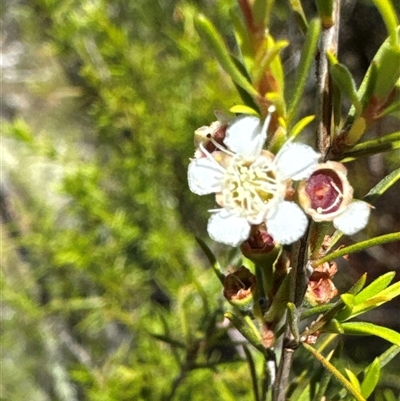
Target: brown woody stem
{"points": [[328, 42]]}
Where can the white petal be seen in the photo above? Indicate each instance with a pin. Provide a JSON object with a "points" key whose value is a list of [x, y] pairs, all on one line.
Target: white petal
{"points": [[296, 161], [205, 176], [244, 136], [354, 218], [227, 228], [287, 224]]}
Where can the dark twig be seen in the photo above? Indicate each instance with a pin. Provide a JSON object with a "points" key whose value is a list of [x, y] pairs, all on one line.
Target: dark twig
{"points": [[328, 42]]}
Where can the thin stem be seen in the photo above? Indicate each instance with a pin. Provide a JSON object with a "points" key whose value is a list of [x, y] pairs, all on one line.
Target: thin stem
{"points": [[299, 260], [282, 378], [298, 286], [329, 42]]}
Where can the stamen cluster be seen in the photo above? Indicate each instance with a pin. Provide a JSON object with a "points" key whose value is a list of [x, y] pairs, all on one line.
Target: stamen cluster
{"points": [[248, 187]]}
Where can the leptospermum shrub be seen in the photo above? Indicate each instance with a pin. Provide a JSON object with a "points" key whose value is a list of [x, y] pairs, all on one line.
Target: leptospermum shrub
{"points": [[285, 205]]}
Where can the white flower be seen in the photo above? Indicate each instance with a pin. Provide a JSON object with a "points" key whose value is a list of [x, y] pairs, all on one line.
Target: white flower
{"points": [[328, 196], [251, 183]]}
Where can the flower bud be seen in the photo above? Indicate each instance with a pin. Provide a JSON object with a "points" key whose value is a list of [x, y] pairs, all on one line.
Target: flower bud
{"points": [[259, 244]]}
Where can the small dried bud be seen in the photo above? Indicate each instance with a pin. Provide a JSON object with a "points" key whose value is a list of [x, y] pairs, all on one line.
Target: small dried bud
{"points": [[239, 287], [209, 136], [268, 336], [311, 339], [320, 288]]}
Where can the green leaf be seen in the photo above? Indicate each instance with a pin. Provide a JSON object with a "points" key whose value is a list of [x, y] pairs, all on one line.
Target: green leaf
{"points": [[392, 110], [382, 186], [357, 287], [385, 143], [369, 83], [246, 97], [293, 316], [323, 385], [279, 303], [374, 288], [388, 13], [371, 378], [278, 101], [216, 43], [243, 109], [265, 60], [386, 395], [383, 239], [335, 373], [333, 326], [391, 291], [253, 373], [262, 12], [306, 60], [243, 40], [353, 379], [364, 328], [348, 300], [299, 15], [367, 86], [212, 259], [368, 305], [316, 310], [388, 355], [344, 81], [372, 302], [247, 328], [345, 313], [356, 131], [388, 71], [300, 125]]}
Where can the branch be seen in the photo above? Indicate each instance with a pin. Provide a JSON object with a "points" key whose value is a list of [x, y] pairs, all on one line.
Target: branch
{"points": [[329, 42]]}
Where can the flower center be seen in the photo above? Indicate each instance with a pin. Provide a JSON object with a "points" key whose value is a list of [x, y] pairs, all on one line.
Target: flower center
{"points": [[249, 186], [325, 191]]}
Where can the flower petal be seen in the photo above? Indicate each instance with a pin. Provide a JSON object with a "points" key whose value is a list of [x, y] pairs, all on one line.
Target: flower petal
{"points": [[296, 161], [227, 228], [287, 224], [244, 136], [354, 218], [205, 176]]}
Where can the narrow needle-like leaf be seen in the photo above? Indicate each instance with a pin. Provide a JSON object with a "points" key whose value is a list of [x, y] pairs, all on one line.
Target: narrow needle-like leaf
{"points": [[212, 259], [327, 365], [383, 239], [216, 43], [306, 60]]}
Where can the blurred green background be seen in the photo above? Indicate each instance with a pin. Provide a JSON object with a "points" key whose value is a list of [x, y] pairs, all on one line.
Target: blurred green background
{"points": [[106, 295]]}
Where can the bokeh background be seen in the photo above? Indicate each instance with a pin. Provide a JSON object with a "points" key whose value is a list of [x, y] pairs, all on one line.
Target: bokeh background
{"points": [[105, 294]]}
